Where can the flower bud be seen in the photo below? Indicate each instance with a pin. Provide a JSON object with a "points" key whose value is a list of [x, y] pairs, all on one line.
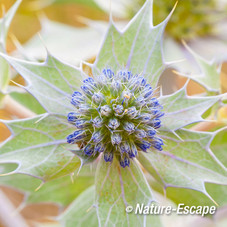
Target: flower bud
{"points": [[98, 98], [156, 123], [87, 90], [124, 147], [72, 116], [140, 101], [132, 112], [98, 122], [144, 117], [140, 133], [81, 123], [89, 80], [143, 145], [77, 94], [116, 138], [89, 150], [108, 156], [125, 162], [97, 137], [114, 123], [150, 131], [157, 143], [119, 109], [116, 86], [108, 73], [100, 147], [129, 127], [106, 110], [84, 109]]}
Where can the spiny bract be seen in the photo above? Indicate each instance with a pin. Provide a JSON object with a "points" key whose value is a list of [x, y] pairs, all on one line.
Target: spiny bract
{"points": [[116, 114]]}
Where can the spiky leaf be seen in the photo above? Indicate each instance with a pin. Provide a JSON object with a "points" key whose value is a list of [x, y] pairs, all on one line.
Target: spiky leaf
{"points": [[181, 109], [128, 187], [53, 191], [138, 47], [39, 147], [51, 82], [186, 161]]}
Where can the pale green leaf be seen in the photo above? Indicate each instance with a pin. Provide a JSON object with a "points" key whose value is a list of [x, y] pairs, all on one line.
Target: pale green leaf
{"points": [[181, 109], [186, 161], [138, 47], [117, 188], [196, 198], [188, 196], [219, 146], [81, 212], [61, 191], [218, 193], [51, 82], [40, 148], [7, 167], [28, 101]]}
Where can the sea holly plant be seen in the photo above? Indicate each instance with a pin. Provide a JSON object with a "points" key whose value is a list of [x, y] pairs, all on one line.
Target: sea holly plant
{"points": [[116, 120]]}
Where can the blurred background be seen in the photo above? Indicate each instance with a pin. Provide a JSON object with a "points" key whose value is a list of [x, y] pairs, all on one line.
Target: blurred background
{"points": [[73, 30]]}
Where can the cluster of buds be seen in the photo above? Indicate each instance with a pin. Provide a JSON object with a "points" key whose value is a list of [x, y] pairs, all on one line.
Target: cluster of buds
{"points": [[117, 115]]}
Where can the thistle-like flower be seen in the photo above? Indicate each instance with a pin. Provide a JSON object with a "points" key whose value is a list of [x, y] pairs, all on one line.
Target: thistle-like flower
{"points": [[117, 114]]}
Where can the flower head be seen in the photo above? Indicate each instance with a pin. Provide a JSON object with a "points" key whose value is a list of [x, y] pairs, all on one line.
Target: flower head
{"points": [[116, 114], [195, 18], [191, 19]]}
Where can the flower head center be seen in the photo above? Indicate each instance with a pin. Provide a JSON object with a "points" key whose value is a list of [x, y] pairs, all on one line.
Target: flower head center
{"points": [[117, 115]]}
